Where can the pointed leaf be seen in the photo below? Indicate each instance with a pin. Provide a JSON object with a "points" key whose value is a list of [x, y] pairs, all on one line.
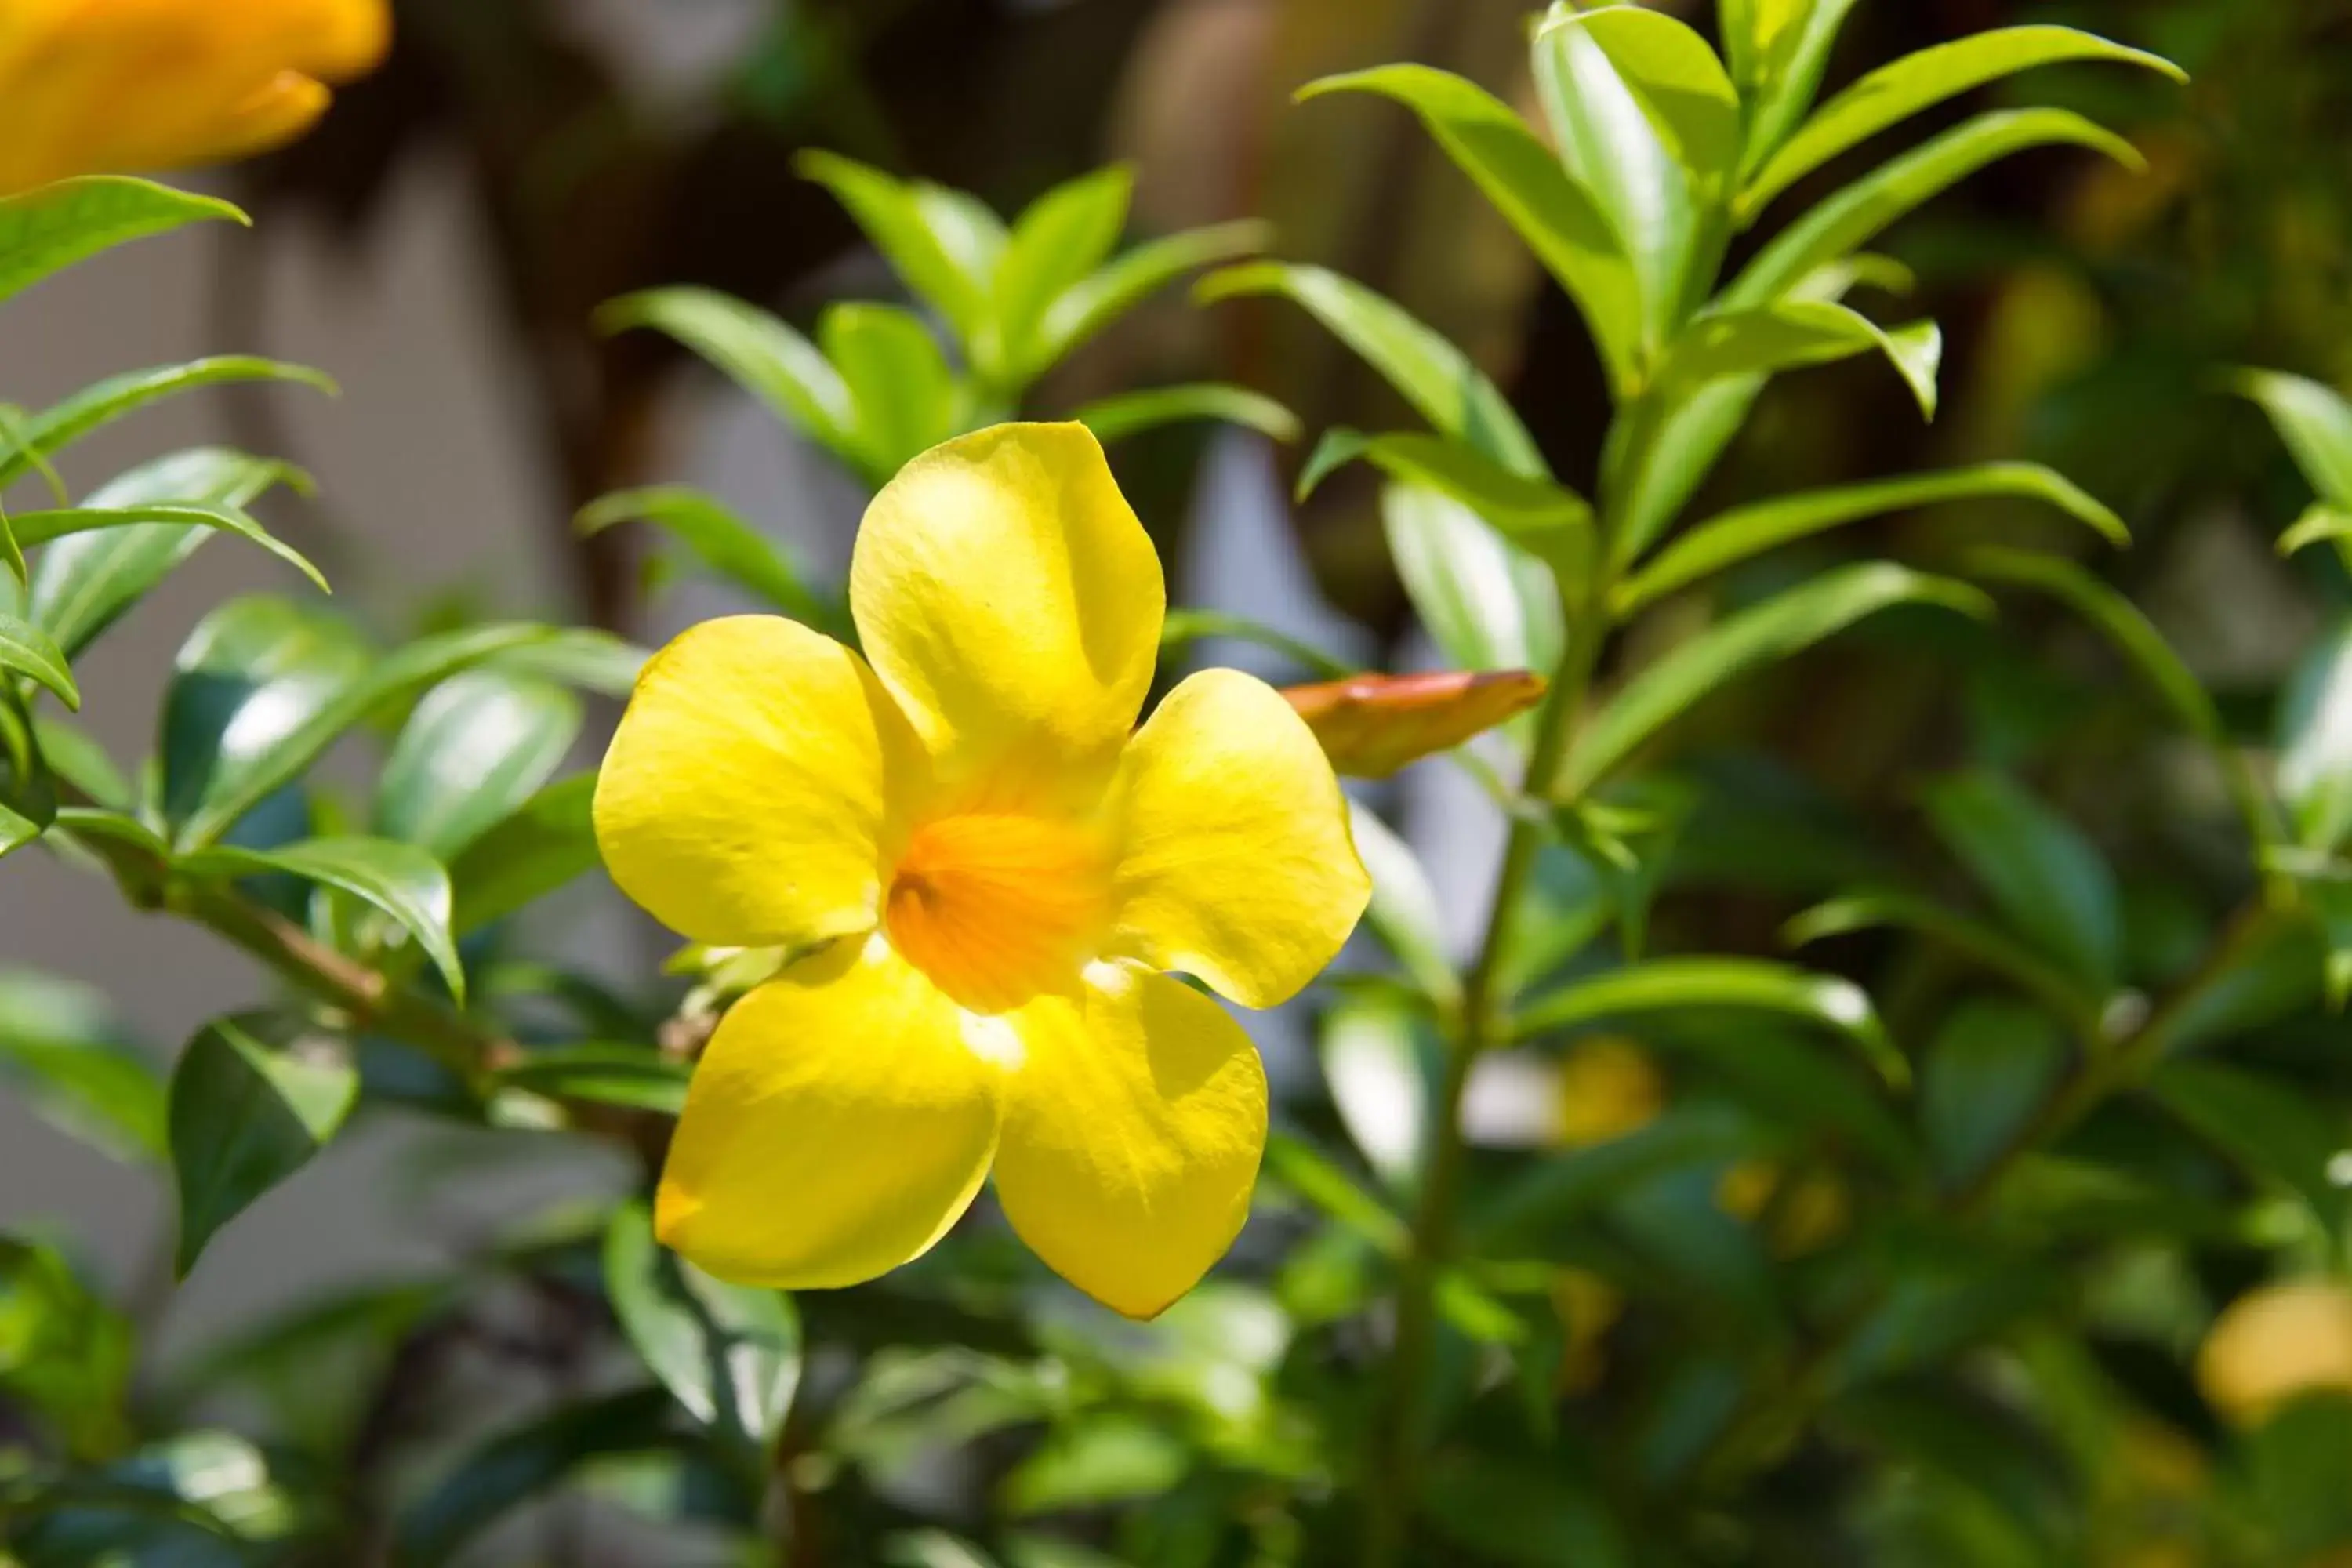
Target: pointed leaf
{"points": [[48, 229], [756, 349], [2314, 743], [540, 848], [1769, 631], [41, 527], [1558, 218], [1438, 379], [1995, 948], [1744, 983], [2315, 423], [1779, 49], [404, 881], [906, 399], [1095, 301], [1895, 92], [938, 245], [1125, 413], [64, 1057], [101, 402], [1847, 221], [1988, 1070], [2049, 881], [1546, 519], [30, 651], [479, 746], [2321, 522], [1487, 604], [81, 585], [246, 1115], [1749, 530], [730, 1353], [1404, 912], [719, 538], [1788, 333], [1062, 238]]}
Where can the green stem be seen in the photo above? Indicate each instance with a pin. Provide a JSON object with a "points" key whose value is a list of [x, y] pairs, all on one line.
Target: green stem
{"points": [[1396, 1467]]}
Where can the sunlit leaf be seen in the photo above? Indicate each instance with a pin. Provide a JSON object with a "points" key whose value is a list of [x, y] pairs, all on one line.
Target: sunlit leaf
{"points": [[905, 397], [537, 849], [1126, 413], [246, 1115], [477, 746], [31, 652], [2315, 423], [1787, 333], [1060, 240], [1546, 519], [41, 527], [404, 881], [2048, 880], [1487, 604], [2314, 742], [759, 352], [50, 228], [730, 1353], [54, 428], [1094, 302], [719, 538], [947, 252], [1404, 912]]}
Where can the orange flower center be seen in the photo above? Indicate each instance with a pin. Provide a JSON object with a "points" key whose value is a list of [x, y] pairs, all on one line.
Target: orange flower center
{"points": [[996, 908]]}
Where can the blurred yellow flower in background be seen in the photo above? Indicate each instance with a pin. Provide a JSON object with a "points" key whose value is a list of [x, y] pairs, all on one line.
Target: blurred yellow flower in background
{"points": [[2275, 1343], [117, 86], [987, 870]]}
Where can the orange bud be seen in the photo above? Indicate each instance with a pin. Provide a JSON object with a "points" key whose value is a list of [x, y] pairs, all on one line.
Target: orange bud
{"points": [[1371, 725]]}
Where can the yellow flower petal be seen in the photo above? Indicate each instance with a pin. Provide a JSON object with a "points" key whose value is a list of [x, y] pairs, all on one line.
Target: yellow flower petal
{"points": [[1132, 1135], [1235, 864], [743, 800], [839, 1123], [1012, 603]]}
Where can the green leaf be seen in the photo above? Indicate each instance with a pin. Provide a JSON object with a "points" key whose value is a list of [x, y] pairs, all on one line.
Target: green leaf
{"points": [[1376, 1062], [1788, 333], [539, 848], [2321, 522], [2277, 1132], [580, 657], [1096, 302], [907, 399], [65, 1354], [1487, 604], [1895, 92], [479, 746], [2047, 880], [1984, 1076], [30, 651], [730, 1353], [1183, 627], [761, 354], [632, 1078], [1438, 379], [517, 1465], [719, 538], [2315, 423], [1749, 530], [2314, 743], [35, 527], [1779, 49], [1769, 631], [63, 1055], [1988, 945], [246, 1115], [81, 585], [1404, 912], [1646, 121], [60, 425], [404, 881], [48, 229], [1847, 221], [1663, 984], [81, 761], [1059, 241], [1550, 522], [265, 686], [946, 248], [1558, 218], [1126, 413]]}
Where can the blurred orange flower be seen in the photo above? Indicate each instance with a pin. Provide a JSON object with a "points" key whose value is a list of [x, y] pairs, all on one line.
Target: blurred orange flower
{"points": [[108, 86]]}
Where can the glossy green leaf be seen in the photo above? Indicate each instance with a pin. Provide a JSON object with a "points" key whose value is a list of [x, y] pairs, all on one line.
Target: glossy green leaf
{"points": [[582, 657], [2314, 743], [1769, 631], [1785, 334], [1749, 530], [1661, 984], [1378, 1061], [730, 1353], [83, 583], [54, 428], [719, 538], [539, 848], [1988, 945], [1058, 242], [905, 397], [63, 1055], [1779, 49], [2315, 423], [1487, 604], [1438, 379], [947, 249], [402, 880], [1895, 92], [2275, 1132], [1096, 300], [1126, 413], [65, 1354], [245, 1116], [1847, 221], [48, 229], [1404, 912], [1546, 519], [629, 1077], [477, 746], [755, 349], [31, 652], [1983, 1078], [78, 759], [35, 528], [2049, 881], [1558, 218], [2322, 522]]}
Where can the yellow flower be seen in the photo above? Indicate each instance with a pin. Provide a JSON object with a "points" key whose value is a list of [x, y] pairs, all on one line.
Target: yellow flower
{"points": [[993, 872], [2275, 1343], [98, 86]]}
